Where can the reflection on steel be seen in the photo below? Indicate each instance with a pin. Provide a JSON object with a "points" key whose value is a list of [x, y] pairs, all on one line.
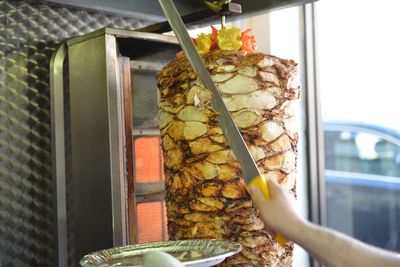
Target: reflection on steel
{"points": [[58, 149], [97, 148]]}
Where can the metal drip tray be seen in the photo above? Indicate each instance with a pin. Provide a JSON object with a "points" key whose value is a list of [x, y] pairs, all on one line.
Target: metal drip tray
{"points": [[193, 253]]}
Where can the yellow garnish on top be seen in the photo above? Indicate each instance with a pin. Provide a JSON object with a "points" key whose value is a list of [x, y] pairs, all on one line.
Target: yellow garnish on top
{"points": [[229, 39], [203, 43]]}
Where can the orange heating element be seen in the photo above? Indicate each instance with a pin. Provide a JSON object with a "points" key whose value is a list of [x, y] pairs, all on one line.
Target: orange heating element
{"points": [[151, 217]]}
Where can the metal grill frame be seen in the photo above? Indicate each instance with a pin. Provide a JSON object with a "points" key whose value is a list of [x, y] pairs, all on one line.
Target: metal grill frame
{"points": [[104, 190]]}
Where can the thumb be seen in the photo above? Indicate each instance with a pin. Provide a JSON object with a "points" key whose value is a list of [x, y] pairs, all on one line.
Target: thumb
{"points": [[273, 186], [257, 196]]}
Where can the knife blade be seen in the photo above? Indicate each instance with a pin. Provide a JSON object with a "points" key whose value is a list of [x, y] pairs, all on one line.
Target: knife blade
{"points": [[250, 172]]}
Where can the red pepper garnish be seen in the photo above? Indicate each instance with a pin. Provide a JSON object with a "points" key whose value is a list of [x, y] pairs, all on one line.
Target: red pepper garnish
{"points": [[248, 42], [214, 36]]}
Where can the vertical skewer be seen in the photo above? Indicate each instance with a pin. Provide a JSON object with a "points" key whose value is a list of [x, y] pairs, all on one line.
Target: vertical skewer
{"points": [[223, 8]]}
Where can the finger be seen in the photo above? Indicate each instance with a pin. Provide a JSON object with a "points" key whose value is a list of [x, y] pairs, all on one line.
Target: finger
{"points": [[273, 186], [257, 196], [260, 201], [272, 233], [269, 230], [272, 183]]}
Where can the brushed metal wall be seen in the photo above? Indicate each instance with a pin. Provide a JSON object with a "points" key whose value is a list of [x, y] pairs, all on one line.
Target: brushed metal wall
{"points": [[29, 33]]}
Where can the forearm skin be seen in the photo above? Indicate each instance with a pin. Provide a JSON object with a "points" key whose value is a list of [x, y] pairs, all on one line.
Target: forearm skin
{"points": [[334, 249]]}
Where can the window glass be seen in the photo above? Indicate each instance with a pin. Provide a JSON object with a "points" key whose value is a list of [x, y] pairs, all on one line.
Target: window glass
{"points": [[358, 54], [361, 152]]}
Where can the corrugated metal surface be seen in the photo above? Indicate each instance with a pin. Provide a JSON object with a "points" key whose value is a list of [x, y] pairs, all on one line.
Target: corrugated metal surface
{"points": [[29, 33]]}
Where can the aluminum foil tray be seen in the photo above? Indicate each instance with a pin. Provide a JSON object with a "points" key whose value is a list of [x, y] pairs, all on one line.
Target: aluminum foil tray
{"points": [[193, 253]]}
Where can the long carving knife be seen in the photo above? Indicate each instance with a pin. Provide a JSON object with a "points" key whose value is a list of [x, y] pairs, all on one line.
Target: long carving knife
{"points": [[250, 172]]}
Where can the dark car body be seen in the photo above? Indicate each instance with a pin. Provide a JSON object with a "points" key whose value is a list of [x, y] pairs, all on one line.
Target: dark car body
{"points": [[362, 174]]}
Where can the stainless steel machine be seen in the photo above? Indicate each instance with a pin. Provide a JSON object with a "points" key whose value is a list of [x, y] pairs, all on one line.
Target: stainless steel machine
{"points": [[112, 102]]}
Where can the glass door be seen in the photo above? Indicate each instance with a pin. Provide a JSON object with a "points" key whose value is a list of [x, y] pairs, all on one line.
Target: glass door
{"points": [[358, 56]]}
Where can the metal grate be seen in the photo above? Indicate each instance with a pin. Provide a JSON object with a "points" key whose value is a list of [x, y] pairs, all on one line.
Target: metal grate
{"points": [[29, 33], [144, 99]]}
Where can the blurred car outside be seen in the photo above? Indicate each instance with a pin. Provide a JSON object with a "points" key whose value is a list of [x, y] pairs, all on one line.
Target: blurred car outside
{"points": [[362, 174]]}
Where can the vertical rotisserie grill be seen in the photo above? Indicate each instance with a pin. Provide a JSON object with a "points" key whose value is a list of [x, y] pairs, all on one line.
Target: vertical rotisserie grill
{"points": [[205, 194]]}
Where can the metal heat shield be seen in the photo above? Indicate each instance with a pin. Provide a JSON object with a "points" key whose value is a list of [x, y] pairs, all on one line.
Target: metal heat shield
{"points": [[112, 94]]}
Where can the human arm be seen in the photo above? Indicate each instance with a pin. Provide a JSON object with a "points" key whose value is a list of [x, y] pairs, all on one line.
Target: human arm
{"points": [[329, 247]]}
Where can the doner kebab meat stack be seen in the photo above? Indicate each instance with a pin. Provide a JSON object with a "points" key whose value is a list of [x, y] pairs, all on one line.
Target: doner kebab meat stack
{"points": [[206, 196]]}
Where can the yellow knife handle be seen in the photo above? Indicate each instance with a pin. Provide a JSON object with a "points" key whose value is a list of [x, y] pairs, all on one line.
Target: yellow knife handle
{"points": [[260, 183]]}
